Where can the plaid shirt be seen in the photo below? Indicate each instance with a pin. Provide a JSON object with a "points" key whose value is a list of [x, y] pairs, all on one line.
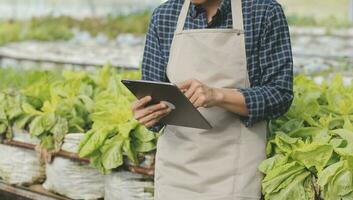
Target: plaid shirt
{"points": [[268, 50]]}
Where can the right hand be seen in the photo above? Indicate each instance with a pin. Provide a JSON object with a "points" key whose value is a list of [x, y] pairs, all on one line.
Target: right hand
{"points": [[150, 115]]}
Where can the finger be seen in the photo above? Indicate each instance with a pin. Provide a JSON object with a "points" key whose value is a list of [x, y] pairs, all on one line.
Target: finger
{"points": [[150, 109], [165, 114], [154, 121], [154, 115], [147, 111], [151, 123], [191, 90], [196, 95], [200, 102], [185, 84], [141, 102], [194, 98], [168, 105]]}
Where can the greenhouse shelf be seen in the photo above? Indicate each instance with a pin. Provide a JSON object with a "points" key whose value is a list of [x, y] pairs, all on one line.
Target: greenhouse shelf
{"points": [[71, 156], [119, 55], [63, 62], [75, 157], [34, 192]]}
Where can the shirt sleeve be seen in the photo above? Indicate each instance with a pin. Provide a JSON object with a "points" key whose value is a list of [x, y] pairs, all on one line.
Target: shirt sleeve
{"points": [[275, 94], [153, 62]]}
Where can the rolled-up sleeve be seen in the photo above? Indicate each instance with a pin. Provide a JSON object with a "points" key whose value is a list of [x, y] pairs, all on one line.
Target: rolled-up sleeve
{"points": [[273, 97]]}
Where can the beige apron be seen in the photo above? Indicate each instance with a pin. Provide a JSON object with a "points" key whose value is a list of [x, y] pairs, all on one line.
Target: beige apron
{"points": [[221, 163]]}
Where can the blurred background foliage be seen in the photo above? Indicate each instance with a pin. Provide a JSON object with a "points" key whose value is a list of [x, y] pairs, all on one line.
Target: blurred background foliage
{"points": [[328, 13]]}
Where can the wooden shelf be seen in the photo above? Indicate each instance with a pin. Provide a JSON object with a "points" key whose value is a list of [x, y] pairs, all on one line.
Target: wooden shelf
{"points": [[61, 153], [75, 157], [37, 192], [34, 192]]}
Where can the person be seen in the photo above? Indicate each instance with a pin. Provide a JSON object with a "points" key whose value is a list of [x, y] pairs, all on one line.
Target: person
{"points": [[233, 60]]}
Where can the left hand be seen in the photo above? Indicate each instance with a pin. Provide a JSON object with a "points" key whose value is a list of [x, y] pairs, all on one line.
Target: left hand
{"points": [[200, 94]]}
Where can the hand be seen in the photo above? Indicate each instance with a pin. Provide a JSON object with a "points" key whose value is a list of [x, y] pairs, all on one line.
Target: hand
{"points": [[149, 116], [200, 94]]}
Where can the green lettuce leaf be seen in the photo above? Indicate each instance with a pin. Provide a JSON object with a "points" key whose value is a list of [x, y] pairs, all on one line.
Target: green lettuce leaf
{"points": [[112, 156], [313, 155]]}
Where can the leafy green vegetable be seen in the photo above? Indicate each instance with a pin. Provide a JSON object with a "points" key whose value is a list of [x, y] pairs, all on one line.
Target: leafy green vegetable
{"points": [[336, 181], [65, 107], [311, 147], [93, 103], [51, 28], [115, 133], [112, 156], [96, 140], [313, 155]]}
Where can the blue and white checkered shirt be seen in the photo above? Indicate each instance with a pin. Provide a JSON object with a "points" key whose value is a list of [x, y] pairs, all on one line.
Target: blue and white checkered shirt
{"points": [[268, 50]]}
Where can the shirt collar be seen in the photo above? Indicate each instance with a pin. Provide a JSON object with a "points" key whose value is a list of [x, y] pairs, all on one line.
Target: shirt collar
{"points": [[223, 9]]}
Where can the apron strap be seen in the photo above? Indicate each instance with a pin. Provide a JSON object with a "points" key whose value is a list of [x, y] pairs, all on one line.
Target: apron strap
{"points": [[182, 16], [237, 15]]}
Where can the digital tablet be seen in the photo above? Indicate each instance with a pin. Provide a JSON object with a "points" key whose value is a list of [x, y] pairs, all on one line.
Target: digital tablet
{"points": [[183, 111]]}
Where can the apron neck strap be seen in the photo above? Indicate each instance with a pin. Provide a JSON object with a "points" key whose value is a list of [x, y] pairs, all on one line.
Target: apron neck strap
{"points": [[237, 15]]}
